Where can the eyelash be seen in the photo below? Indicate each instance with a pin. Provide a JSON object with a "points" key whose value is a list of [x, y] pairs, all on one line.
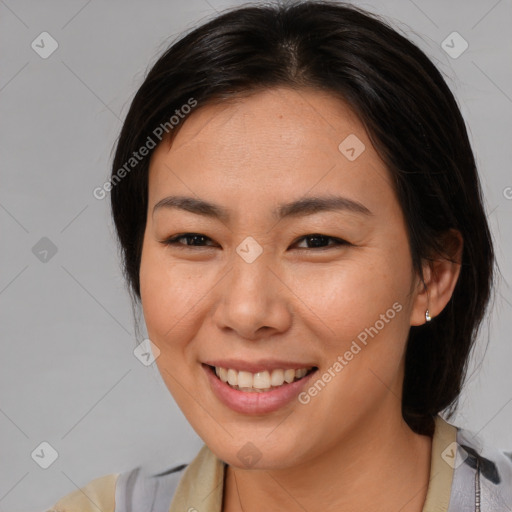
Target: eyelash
{"points": [[174, 241]]}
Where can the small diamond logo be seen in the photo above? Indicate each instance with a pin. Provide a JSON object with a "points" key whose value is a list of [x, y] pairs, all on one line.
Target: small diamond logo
{"points": [[454, 455], [44, 45], [351, 147], [44, 455], [146, 352], [454, 45], [249, 249], [249, 455], [44, 250]]}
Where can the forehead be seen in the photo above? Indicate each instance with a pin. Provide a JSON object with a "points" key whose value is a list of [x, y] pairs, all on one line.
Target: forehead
{"points": [[277, 139], [283, 118]]}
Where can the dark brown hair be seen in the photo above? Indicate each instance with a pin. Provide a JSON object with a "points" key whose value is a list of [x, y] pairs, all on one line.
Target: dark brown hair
{"points": [[410, 115]]}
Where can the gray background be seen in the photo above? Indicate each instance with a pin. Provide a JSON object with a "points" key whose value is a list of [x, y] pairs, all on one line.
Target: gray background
{"points": [[68, 373]]}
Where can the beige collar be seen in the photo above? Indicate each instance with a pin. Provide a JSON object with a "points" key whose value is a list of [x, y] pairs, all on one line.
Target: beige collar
{"points": [[441, 472]]}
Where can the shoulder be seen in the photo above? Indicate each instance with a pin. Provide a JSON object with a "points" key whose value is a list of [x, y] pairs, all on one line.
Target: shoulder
{"points": [[98, 493], [135, 489], [482, 474]]}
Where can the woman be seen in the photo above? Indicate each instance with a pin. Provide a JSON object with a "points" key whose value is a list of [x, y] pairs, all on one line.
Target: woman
{"points": [[300, 217]]}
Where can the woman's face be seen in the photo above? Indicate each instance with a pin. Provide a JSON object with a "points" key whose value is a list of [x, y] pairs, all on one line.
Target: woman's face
{"points": [[253, 295]]}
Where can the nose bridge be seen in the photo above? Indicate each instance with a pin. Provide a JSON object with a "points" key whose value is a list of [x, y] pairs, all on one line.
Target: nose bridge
{"points": [[250, 277], [252, 296]]}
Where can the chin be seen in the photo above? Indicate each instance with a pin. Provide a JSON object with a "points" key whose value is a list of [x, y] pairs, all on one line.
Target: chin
{"points": [[245, 451]]}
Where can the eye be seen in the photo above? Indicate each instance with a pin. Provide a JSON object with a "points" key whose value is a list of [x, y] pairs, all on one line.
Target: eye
{"points": [[317, 241], [197, 240], [195, 237]]}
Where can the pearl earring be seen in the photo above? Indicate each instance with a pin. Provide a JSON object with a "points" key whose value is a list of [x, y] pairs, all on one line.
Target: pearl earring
{"points": [[428, 318]]}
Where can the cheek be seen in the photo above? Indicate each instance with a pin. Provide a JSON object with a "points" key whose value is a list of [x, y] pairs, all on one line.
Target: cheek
{"points": [[361, 314], [350, 296], [170, 297], [170, 294]]}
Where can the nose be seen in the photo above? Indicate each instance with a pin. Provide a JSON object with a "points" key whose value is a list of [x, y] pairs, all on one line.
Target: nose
{"points": [[253, 300]]}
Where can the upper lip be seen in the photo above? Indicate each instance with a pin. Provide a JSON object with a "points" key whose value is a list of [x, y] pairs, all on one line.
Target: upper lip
{"points": [[259, 365]]}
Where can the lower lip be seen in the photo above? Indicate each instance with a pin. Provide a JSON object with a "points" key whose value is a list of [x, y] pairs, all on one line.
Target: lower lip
{"points": [[255, 402]]}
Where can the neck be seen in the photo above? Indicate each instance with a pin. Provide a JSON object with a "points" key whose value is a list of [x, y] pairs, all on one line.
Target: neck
{"points": [[380, 466]]}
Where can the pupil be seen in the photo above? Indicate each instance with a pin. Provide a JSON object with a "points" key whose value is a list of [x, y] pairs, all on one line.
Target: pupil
{"points": [[316, 237], [195, 238]]}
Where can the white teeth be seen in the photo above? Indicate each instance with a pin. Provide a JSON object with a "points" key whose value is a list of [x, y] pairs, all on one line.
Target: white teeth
{"points": [[277, 378], [232, 377], [244, 380], [289, 375], [260, 381], [300, 373]]}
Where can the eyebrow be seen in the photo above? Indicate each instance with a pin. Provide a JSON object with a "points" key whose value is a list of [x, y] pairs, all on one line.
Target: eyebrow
{"points": [[298, 208]]}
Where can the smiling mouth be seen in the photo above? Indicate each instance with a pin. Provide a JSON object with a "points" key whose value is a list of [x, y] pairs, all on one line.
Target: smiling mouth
{"points": [[260, 382]]}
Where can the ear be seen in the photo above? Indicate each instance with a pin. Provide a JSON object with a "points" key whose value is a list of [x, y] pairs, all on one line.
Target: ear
{"points": [[440, 275]]}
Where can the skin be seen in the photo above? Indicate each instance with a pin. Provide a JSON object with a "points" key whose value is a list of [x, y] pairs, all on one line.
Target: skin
{"points": [[349, 448]]}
